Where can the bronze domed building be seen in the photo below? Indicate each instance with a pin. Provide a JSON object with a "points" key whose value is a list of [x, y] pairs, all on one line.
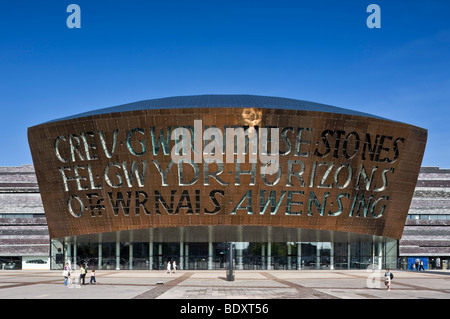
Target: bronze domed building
{"points": [[293, 183]]}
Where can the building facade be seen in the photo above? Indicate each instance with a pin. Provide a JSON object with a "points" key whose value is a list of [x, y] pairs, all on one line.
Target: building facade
{"points": [[293, 184], [426, 236], [24, 237]]}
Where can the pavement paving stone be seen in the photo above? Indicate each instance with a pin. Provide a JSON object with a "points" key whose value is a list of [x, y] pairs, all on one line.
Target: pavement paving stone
{"points": [[197, 285]]}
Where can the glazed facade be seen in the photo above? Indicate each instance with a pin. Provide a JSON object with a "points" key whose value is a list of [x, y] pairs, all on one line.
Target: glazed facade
{"points": [[294, 184]]}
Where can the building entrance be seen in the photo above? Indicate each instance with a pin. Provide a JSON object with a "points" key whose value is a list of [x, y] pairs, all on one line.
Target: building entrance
{"points": [[213, 255]]}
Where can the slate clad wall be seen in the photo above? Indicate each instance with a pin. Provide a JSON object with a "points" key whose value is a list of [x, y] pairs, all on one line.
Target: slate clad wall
{"points": [[23, 226], [428, 236]]}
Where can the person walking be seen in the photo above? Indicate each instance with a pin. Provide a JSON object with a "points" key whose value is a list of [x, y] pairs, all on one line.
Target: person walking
{"points": [[93, 277], [82, 275], [421, 265], [388, 276], [168, 267], [174, 267], [69, 282], [66, 273]]}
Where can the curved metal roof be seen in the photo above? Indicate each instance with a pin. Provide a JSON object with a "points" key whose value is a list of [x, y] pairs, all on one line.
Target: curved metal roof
{"points": [[214, 101]]}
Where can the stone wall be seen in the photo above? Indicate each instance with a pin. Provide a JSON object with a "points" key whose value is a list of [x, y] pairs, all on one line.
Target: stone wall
{"points": [[23, 226], [427, 229]]}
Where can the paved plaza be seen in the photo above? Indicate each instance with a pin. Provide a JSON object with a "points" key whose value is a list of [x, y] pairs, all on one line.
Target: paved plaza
{"points": [[195, 285]]}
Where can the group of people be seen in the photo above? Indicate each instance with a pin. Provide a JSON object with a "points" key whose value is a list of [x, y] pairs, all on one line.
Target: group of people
{"points": [[171, 267], [81, 278], [418, 264]]}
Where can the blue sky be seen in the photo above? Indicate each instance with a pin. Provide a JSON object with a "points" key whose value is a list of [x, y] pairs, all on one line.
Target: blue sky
{"points": [[320, 51]]}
